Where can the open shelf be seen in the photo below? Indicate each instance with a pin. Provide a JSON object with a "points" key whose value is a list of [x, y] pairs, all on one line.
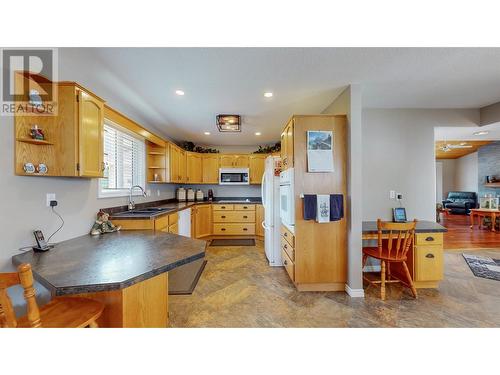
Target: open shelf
{"points": [[492, 185], [34, 141]]}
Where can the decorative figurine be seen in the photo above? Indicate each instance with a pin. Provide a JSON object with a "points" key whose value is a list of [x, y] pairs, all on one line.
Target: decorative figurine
{"points": [[35, 98], [37, 133], [103, 225]]}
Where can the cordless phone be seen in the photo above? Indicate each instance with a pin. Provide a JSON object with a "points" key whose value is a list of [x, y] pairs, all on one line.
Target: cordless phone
{"points": [[40, 241]]}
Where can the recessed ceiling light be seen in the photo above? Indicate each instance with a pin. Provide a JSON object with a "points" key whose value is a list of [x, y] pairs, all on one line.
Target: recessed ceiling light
{"points": [[258, 133], [268, 94], [481, 132], [207, 133], [179, 92]]}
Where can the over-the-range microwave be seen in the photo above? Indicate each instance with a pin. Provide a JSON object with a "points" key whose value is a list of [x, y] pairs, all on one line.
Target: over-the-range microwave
{"points": [[234, 176]]}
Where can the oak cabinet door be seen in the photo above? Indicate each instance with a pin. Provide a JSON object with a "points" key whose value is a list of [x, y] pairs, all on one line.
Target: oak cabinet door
{"points": [[226, 161], [241, 161], [203, 221], [257, 166], [259, 218], [174, 164], [194, 168], [210, 167], [289, 145], [182, 166], [90, 135]]}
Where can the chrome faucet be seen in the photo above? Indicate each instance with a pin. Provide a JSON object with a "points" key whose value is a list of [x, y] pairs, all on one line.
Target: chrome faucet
{"points": [[131, 204]]}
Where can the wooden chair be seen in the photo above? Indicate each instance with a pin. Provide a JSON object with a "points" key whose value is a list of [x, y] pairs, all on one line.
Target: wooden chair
{"points": [[62, 312], [392, 249]]}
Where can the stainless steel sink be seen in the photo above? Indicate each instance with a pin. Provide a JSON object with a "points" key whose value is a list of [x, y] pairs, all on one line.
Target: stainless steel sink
{"points": [[149, 211]]}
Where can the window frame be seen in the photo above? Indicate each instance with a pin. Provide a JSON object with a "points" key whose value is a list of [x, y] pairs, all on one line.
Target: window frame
{"points": [[124, 192]]}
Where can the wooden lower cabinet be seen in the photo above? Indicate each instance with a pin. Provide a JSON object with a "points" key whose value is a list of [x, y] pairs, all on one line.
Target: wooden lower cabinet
{"points": [[233, 217], [202, 220], [428, 265], [259, 218], [174, 228], [288, 264]]}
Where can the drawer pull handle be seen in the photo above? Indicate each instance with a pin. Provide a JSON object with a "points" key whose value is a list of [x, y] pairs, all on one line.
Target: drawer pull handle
{"points": [[245, 228], [245, 207], [429, 238], [223, 207], [223, 217], [285, 263], [286, 234], [223, 229], [245, 217], [285, 247], [430, 256]]}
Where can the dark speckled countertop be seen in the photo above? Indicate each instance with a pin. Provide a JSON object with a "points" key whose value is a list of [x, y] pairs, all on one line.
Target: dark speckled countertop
{"points": [[111, 261], [370, 227]]}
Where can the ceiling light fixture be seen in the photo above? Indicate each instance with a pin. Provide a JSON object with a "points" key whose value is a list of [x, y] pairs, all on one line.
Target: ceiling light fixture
{"points": [[258, 133], [481, 132], [268, 94], [229, 123], [207, 133], [179, 92]]}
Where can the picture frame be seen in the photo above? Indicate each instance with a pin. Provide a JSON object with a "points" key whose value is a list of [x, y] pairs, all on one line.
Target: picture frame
{"points": [[320, 151]]}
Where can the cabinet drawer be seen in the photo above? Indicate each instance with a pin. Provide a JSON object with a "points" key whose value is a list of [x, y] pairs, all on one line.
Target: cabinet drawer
{"points": [[429, 239], [234, 229], [288, 264], [428, 263], [285, 246], [173, 219], [222, 207], [234, 217], [288, 235], [244, 207]]}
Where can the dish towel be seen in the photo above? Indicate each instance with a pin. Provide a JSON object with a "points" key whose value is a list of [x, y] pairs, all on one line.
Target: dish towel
{"points": [[336, 207], [323, 208], [310, 204]]}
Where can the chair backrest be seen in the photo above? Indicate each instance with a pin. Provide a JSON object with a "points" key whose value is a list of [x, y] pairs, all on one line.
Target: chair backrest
{"points": [[24, 276], [400, 238]]}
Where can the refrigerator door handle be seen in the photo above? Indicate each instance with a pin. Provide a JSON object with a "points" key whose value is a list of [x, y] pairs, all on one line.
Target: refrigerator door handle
{"points": [[265, 226]]}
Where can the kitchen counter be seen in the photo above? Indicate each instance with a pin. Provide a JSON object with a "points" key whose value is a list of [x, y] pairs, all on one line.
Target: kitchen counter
{"points": [[126, 270], [171, 207], [370, 227]]}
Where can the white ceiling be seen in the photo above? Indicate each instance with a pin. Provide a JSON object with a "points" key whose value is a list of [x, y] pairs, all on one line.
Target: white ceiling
{"points": [[466, 133], [303, 80]]}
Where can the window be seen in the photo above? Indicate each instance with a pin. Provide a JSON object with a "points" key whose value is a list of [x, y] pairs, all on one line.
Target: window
{"points": [[124, 157]]}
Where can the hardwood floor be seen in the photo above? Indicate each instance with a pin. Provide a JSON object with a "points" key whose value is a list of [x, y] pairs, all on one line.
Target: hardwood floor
{"points": [[460, 236], [239, 289]]}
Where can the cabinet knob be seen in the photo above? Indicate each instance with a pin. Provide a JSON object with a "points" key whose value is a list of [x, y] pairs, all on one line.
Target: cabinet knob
{"points": [[429, 238], [285, 246], [103, 166], [285, 262], [223, 217], [286, 234], [430, 256]]}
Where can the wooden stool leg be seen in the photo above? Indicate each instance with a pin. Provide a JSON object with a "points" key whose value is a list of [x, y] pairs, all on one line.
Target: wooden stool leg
{"points": [[365, 258], [382, 281], [93, 324], [410, 281]]}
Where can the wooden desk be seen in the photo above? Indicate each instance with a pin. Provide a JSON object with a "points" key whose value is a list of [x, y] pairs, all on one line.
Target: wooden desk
{"points": [[425, 259], [482, 213]]}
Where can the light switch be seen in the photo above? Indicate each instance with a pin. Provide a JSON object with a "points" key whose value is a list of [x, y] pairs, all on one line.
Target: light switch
{"points": [[392, 194], [50, 197]]}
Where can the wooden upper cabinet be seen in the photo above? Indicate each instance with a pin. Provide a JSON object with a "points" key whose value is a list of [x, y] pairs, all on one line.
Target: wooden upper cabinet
{"points": [[226, 161], [210, 167], [182, 166], [174, 159], [193, 168], [234, 161], [287, 146], [90, 135], [257, 166]]}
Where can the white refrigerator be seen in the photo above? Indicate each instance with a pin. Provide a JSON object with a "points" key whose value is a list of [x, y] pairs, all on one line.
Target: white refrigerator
{"points": [[270, 200]]}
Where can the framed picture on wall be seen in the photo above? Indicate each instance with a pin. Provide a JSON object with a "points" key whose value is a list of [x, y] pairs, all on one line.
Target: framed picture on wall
{"points": [[319, 151]]}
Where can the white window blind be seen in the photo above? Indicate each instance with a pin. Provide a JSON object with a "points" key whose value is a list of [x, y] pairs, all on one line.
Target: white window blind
{"points": [[124, 157]]}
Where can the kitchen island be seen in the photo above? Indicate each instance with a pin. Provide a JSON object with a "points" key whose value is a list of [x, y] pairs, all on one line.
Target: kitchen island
{"points": [[127, 271]]}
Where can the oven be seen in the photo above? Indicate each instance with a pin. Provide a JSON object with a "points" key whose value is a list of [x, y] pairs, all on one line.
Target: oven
{"points": [[287, 201], [234, 176]]}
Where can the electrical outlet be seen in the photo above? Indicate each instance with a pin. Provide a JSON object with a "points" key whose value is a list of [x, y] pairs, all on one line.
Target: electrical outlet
{"points": [[157, 193], [392, 194], [399, 196], [50, 197]]}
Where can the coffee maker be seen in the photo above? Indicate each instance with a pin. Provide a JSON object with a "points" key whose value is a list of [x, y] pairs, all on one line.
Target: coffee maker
{"points": [[210, 195]]}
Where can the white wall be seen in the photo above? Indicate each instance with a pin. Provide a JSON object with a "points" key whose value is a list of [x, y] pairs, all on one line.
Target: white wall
{"points": [[449, 174], [466, 176], [349, 103], [439, 181], [398, 154]]}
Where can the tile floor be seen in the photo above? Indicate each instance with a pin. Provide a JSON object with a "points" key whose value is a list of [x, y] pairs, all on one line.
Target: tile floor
{"points": [[239, 289]]}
